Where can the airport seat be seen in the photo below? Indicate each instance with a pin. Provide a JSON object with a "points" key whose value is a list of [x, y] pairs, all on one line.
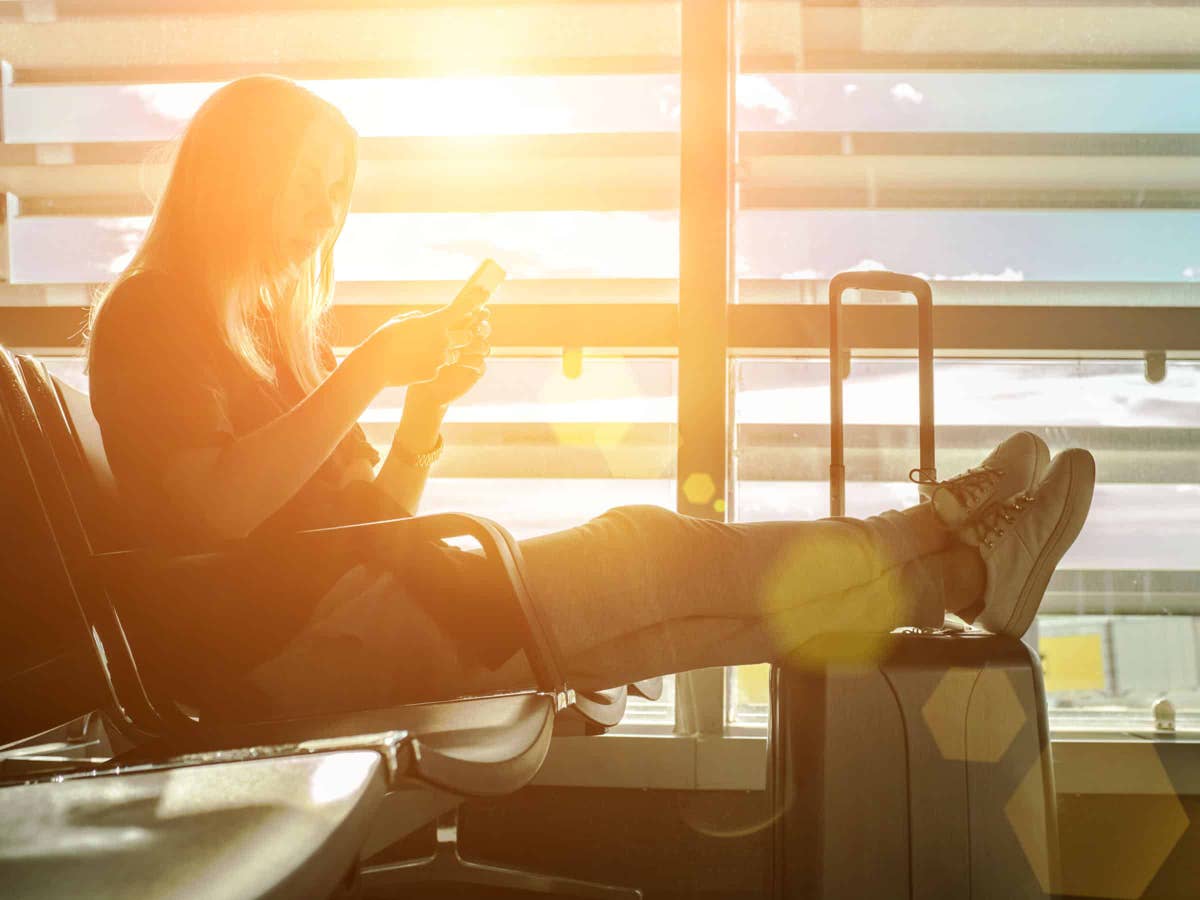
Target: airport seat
{"points": [[95, 578], [294, 819], [477, 746], [75, 439], [47, 671], [155, 724]]}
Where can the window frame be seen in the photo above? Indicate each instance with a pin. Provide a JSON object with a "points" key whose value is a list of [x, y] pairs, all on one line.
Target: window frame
{"points": [[707, 329]]}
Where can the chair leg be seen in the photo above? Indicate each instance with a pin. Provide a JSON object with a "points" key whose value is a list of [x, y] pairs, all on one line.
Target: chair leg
{"points": [[447, 865]]}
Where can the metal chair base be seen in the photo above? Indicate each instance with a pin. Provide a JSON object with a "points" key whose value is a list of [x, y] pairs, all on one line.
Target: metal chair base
{"points": [[446, 865]]}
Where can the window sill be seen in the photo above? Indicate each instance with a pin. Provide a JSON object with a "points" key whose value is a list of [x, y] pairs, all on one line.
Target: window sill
{"points": [[1113, 763]]}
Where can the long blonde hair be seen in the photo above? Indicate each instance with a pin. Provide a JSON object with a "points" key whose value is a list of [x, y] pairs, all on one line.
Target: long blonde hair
{"points": [[214, 224]]}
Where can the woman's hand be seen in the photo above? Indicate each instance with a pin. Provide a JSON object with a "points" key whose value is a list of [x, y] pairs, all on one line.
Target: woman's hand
{"points": [[467, 365], [414, 347], [425, 405]]}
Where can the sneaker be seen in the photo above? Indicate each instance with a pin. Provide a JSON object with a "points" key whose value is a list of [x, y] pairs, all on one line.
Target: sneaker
{"points": [[1014, 467], [1022, 539]]}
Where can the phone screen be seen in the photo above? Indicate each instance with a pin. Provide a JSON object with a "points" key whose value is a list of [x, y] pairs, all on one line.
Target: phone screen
{"points": [[487, 278]]}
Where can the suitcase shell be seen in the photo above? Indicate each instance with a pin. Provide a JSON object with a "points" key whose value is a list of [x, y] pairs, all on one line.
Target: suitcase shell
{"points": [[913, 764]]}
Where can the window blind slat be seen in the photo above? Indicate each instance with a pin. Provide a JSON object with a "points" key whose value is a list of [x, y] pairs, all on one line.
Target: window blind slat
{"points": [[407, 39]]}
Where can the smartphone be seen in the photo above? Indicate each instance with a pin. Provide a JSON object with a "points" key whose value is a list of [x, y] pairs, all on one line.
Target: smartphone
{"points": [[486, 278]]}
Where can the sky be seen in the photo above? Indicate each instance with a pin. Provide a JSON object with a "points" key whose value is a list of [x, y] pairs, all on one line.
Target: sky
{"points": [[980, 102], [993, 245]]}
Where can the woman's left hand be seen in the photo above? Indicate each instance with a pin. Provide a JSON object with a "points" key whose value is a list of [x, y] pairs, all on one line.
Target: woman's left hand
{"points": [[462, 374]]}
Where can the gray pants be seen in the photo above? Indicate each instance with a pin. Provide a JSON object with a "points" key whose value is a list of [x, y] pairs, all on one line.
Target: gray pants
{"points": [[636, 592]]}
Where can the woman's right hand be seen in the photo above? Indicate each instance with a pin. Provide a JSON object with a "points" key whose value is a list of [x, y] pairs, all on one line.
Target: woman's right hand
{"points": [[412, 347]]}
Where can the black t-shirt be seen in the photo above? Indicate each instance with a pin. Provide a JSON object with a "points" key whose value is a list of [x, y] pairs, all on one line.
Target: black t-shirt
{"points": [[162, 381]]}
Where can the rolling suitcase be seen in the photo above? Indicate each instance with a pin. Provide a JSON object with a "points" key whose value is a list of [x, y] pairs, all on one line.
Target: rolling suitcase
{"points": [[913, 764]]}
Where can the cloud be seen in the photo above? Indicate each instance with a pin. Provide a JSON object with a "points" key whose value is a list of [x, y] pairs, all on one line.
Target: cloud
{"points": [[757, 92], [127, 234], [868, 265], [669, 101], [1009, 274], [1191, 273], [849, 89], [903, 92], [174, 102]]}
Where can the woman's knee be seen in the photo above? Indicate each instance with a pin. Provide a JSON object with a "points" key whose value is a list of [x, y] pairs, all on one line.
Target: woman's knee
{"points": [[644, 520]]}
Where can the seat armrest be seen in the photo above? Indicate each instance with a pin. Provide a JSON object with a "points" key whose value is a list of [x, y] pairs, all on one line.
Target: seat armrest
{"points": [[123, 567]]}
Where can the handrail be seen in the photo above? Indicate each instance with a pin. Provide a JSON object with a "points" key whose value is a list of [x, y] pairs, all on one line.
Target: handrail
{"points": [[877, 281], [1002, 331]]}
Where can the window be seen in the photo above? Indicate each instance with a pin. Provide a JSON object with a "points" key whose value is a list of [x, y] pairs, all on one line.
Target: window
{"points": [[545, 135], [1129, 576], [1013, 157], [1036, 162]]}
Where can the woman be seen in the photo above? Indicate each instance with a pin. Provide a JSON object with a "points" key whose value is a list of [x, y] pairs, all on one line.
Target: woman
{"points": [[224, 414]]}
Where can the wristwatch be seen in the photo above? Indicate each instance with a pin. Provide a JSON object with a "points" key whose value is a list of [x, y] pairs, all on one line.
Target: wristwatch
{"points": [[420, 460]]}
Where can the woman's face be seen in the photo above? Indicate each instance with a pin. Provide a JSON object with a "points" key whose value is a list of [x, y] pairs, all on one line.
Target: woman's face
{"points": [[316, 196]]}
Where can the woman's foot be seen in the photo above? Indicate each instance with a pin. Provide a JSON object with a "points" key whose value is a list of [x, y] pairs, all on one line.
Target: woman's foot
{"points": [[1022, 539], [1014, 467]]}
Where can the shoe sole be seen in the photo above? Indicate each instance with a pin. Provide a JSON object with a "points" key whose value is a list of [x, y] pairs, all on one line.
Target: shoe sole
{"points": [[1066, 530]]}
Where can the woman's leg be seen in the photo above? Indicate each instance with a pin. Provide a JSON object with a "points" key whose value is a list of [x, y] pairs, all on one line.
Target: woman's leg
{"points": [[642, 591], [371, 644], [636, 592]]}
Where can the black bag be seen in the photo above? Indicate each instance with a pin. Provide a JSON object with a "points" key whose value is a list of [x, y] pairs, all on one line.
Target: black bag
{"points": [[914, 764]]}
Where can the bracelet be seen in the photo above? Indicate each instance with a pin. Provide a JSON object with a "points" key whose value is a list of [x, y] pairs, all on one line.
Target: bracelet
{"points": [[420, 460]]}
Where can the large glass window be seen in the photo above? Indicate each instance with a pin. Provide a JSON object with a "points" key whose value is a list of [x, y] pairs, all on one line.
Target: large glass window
{"points": [[1017, 156], [1014, 156], [1105, 652], [544, 135]]}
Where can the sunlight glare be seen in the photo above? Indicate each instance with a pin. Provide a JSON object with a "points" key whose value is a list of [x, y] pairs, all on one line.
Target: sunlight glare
{"points": [[340, 775]]}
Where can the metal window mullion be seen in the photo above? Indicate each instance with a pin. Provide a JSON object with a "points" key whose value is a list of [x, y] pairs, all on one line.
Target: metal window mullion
{"points": [[704, 286]]}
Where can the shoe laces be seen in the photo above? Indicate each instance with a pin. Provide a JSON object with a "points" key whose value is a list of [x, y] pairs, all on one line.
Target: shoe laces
{"points": [[970, 488], [992, 520]]}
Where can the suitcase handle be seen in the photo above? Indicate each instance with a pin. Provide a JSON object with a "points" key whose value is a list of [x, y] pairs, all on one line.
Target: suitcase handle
{"points": [[878, 281]]}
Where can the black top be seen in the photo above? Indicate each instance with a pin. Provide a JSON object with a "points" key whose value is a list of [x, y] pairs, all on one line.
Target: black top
{"points": [[162, 381]]}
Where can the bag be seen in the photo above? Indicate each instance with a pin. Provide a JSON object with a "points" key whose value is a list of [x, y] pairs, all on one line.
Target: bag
{"points": [[914, 764]]}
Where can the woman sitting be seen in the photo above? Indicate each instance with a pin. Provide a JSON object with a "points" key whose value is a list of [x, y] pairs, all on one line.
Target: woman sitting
{"points": [[224, 414]]}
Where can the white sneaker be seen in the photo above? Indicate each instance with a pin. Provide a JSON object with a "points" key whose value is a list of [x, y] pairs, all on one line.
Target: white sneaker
{"points": [[1022, 539], [1014, 467]]}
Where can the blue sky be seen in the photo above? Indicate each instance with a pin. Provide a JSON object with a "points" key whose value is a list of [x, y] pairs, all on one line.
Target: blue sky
{"points": [[1054, 103], [981, 102], [1085, 245]]}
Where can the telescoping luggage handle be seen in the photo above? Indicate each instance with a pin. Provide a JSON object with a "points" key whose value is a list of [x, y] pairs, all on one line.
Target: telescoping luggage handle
{"points": [[877, 281]]}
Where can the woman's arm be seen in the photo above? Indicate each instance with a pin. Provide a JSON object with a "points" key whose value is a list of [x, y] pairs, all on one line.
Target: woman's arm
{"points": [[234, 488], [417, 433], [425, 407]]}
